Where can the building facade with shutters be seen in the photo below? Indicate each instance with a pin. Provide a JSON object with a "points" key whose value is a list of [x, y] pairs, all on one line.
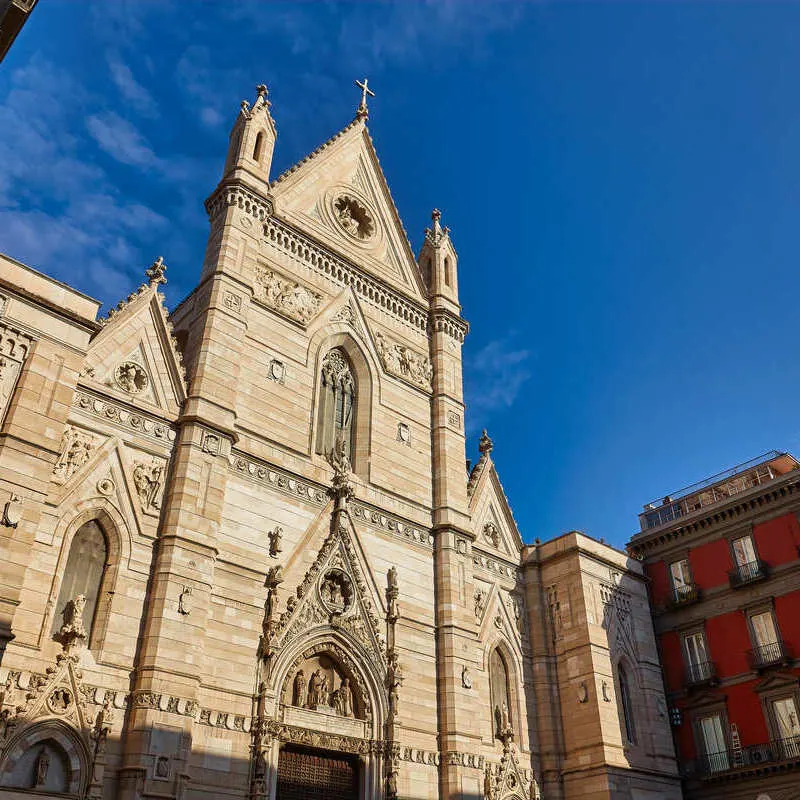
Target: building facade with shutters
{"points": [[723, 558], [243, 556]]}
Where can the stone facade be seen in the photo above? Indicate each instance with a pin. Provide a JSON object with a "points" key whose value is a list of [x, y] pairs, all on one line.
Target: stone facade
{"points": [[259, 601]]}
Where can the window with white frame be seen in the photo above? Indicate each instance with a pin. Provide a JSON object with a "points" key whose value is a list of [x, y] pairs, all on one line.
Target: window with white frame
{"points": [[681, 577], [714, 745], [787, 727], [695, 650], [744, 552]]}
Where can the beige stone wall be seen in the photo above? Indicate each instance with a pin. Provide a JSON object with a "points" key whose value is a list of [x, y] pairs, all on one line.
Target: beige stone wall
{"points": [[199, 637]]}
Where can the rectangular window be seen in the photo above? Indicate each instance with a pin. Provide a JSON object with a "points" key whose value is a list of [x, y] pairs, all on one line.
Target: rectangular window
{"points": [[715, 747], [695, 647], [787, 727], [679, 570], [743, 551], [763, 626]]}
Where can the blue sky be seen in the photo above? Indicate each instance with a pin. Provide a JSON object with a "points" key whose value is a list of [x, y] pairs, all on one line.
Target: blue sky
{"points": [[621, 180]]}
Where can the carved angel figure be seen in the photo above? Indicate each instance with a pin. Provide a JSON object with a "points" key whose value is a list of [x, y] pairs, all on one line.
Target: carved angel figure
{"points": [[275, 538], [73, 617]]}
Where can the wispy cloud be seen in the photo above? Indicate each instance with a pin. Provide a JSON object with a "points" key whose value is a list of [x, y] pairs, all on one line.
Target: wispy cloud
{"points": [[120, 139], [131, 90], [494, 377]]}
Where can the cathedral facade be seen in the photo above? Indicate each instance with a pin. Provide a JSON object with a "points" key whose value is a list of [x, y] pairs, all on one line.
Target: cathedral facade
{"points": [[243, 556]]}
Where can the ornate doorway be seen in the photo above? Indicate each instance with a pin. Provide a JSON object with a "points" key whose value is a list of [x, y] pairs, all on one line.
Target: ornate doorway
{"points": [[316, 775]]}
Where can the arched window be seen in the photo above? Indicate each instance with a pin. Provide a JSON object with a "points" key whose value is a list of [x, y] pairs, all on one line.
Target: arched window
{"points": [[336, 403], [86, 566], [259, 146], [448, 277], [502, 722], [627, 705]]}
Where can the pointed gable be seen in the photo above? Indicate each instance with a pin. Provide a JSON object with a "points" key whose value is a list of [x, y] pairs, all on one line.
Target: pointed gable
{"points": [[135, 357], [339, 195], [493, 522]]}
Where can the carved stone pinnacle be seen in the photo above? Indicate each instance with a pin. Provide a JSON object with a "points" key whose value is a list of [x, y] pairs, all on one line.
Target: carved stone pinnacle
{"points": [[485, 445], [156, 272]]}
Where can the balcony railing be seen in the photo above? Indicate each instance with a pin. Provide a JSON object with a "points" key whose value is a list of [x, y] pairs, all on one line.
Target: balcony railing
{"points": [[779, 751], [750, 572], [683, 595], [701, 673], [772, 654]]}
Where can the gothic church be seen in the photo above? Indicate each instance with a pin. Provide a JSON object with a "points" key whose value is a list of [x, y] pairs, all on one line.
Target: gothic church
{"points": [[242, 556]]}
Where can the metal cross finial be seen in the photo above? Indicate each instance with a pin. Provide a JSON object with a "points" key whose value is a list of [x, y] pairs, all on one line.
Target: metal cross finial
{"points": [[365, 90]]}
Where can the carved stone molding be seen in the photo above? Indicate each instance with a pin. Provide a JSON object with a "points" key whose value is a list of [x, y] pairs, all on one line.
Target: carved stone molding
{"points": [[137, 421], [395, 525], [455, 327], [491, 563], [279, 479], [287, 297], [237, 196], [343, 273]]}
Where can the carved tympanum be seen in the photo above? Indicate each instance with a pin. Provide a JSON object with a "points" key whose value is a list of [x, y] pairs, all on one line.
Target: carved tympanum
{"points": [[321, 685], [286, 296]]}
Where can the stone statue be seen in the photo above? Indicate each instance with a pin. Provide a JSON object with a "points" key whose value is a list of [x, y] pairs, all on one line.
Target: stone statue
{"points": [[76, 448], [73, 618], [317, 689], [148, 479], [275, 539], [42, 766], [344, 698], [391, 578], [505, 721], [488, 784], [394, 680], [300, 689], [480, 601]]}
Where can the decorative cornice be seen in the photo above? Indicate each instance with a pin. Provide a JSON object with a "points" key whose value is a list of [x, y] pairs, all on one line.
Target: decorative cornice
{"points": [[234, 194], [718, 516], [491, 563], [293, 485], [116, 413], [445, 321], [343, 273]]}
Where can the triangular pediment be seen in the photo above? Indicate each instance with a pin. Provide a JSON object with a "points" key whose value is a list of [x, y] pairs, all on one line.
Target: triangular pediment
{"points": [[134, 357], [338, 590], [493, 523], [60, 694], [340, 197], [509, 779]]}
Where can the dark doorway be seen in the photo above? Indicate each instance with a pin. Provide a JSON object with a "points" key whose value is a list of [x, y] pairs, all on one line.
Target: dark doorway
{"points": [[316, 775]]}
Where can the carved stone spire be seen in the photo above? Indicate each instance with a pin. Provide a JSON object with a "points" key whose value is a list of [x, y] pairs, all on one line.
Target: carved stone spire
{"points": [[485, 445], [437, 232], [155, 275]]}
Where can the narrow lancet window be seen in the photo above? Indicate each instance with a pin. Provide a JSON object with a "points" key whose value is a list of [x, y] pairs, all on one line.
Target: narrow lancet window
{"points": [[259, 147], [502, 724], [86, 566], [627, 705], [336, 404]]}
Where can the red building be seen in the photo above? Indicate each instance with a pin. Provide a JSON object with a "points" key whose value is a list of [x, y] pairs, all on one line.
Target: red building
{"points": [[723, 558]]}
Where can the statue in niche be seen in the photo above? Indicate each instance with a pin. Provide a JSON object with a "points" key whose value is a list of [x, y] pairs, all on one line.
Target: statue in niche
{"points": [[318, 689], [335, 592], [73, 630], [275, 540], [162, 767], [346, 218], [480, 602], [394, 680], [343, 699], [300, 689], [42, 766]]}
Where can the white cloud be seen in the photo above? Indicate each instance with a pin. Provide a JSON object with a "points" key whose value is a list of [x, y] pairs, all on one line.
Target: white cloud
{"points": [[494, 378], [130, 89], [121, 139]]}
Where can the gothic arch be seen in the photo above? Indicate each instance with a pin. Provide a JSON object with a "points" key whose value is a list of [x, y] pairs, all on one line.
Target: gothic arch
{"points": [[365, 372], [112, 525], [516, 690], [356, 662], [632, 704], [54, 733]]}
